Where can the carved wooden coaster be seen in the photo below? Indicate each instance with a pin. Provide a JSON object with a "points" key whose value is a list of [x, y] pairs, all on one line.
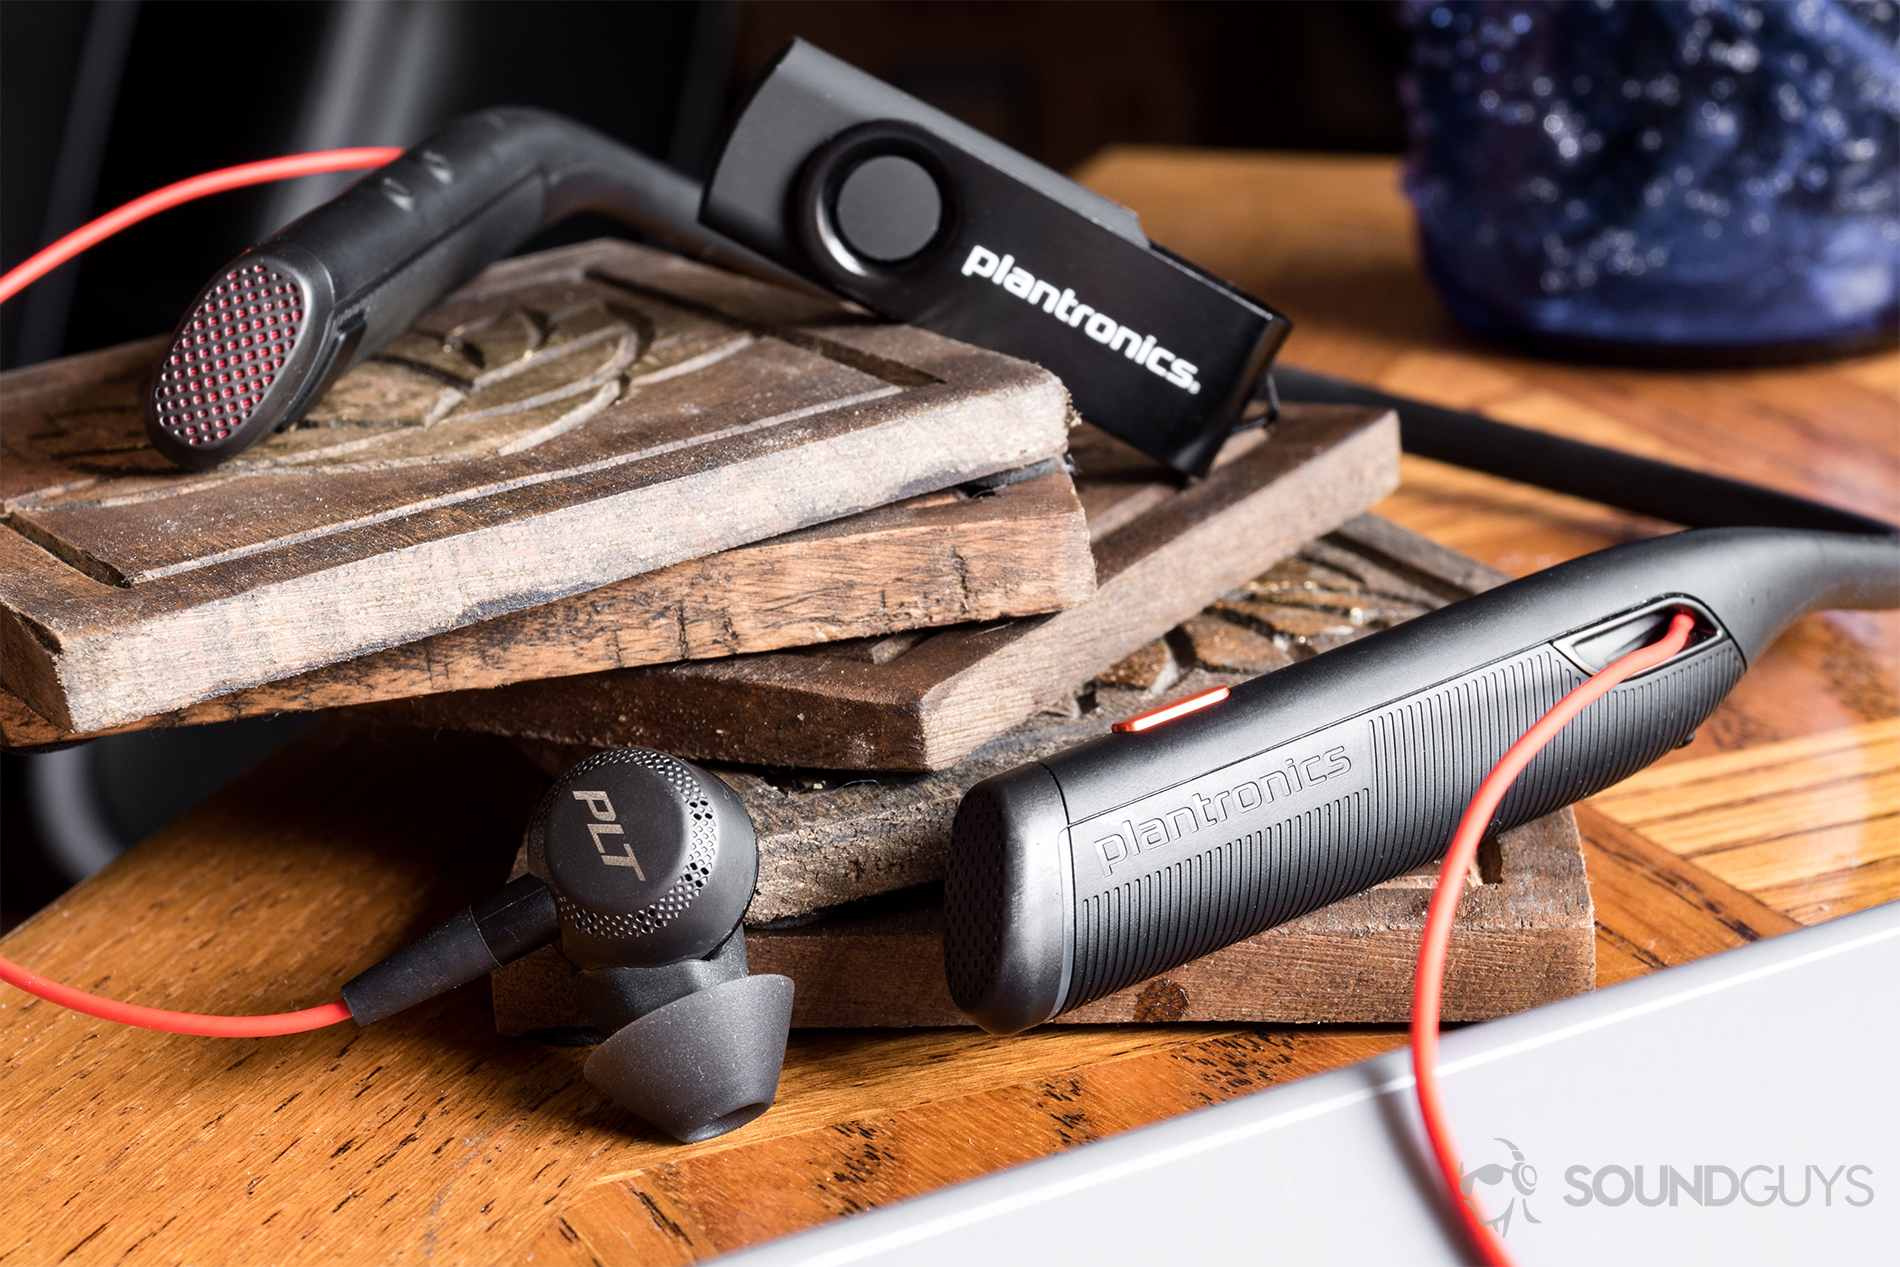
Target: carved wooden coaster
{"points": [[941, 558], [925, 701], [862, 852], [566, 421]]}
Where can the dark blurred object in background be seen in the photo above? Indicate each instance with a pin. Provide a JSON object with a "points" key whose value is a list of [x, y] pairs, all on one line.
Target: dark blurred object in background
{"points": [[1668, 182], [1059, 81], [102, 104], [65, 814]]}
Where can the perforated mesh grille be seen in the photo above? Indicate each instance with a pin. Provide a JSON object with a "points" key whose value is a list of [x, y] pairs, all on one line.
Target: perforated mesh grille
{"points": [[974, 891], [702, 853], [231, 349]]}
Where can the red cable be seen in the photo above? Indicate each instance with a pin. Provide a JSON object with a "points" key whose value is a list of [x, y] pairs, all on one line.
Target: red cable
{"points": [[1427, 990], [88, 236], [173, 1022], [18, 279]]}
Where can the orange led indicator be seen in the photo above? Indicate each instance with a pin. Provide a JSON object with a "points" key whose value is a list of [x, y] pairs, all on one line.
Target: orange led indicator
{"points": [[1191, 704]]}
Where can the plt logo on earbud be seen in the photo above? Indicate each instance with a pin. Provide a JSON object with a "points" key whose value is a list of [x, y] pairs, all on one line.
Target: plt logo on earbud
{"points": [[604, 825]]}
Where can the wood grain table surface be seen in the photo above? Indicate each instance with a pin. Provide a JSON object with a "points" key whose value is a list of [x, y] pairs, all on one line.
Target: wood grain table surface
{"points": [[429, 1139]]}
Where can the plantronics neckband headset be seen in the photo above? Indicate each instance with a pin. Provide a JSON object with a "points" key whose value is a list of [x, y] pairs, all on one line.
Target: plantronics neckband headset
{"points": [[1182, 831]]}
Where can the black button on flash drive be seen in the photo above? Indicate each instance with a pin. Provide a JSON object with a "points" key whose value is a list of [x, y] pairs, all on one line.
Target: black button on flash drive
{"points": [[888, 208]]}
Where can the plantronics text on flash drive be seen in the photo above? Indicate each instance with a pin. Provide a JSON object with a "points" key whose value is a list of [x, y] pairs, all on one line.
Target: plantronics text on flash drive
{"points": [[923, 219]]}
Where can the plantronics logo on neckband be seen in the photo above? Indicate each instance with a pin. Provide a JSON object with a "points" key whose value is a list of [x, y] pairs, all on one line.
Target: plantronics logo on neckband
{"points": [[1129, 839], [1065, 307]]}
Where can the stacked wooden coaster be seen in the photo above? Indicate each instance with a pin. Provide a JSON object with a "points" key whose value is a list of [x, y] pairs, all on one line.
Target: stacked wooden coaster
{"points": [[606, 457], [590, 458]]}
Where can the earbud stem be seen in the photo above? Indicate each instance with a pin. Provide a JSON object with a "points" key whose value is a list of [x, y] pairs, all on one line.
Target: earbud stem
{"points": [[617, 996], [467, 946]]}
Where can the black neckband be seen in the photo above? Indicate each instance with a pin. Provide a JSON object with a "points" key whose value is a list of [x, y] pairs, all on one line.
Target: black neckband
{"points": [[1622, 480]]}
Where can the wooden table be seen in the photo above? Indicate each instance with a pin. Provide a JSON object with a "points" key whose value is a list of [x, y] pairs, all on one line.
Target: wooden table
{"points": [[429, 1138]]}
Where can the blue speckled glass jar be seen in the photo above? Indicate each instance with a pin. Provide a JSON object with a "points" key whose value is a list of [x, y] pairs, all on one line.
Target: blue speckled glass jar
{"points": [[1687, 181]]}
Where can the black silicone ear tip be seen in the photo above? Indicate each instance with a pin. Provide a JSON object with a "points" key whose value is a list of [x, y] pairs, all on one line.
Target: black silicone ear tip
{"points": [[704, 1064]]}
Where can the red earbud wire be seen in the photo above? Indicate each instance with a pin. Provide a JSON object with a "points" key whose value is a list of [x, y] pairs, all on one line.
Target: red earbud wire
{"points": [[1428, 987], [18, 279], [172, 1022], [90, 235]]}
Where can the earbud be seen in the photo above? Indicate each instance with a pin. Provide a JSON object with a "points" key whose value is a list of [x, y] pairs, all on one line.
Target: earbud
{"points": [[651, 862], [640, 866]]}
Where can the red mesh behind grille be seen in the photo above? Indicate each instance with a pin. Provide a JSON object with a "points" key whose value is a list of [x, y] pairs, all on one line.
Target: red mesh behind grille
{"points": [[231, 349]]}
